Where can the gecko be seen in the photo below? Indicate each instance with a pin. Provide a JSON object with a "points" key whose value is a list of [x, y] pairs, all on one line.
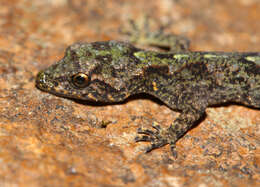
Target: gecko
{"points": [[186, 81]]}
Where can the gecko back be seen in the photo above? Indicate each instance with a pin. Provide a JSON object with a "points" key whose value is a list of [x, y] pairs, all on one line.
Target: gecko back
{"points": [[237, 78]]}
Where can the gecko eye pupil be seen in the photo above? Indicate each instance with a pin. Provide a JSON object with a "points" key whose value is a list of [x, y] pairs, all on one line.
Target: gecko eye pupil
{"points": [[80, 80]]}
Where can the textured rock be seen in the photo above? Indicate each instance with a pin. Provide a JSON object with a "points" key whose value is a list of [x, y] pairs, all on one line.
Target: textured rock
{"points": [[50, 141]]}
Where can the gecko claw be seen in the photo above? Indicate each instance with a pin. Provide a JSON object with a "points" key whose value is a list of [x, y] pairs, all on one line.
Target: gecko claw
{"points": [[146, 132]]}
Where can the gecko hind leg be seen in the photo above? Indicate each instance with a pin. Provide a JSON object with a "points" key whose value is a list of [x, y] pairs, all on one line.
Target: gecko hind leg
{"points": [[140, 32]]}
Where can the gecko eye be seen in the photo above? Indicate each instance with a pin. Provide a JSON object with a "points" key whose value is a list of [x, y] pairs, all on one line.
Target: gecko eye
{"points": [[80, 80]]}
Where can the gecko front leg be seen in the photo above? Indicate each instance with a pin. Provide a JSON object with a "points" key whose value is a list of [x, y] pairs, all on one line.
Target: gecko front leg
{"points": [[163, 136]]}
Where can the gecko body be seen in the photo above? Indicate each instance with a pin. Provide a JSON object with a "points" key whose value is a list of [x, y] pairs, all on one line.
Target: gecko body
{"points": [[186, 81]]}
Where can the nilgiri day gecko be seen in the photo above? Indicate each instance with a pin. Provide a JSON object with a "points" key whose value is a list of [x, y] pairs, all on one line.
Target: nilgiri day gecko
{"points": [[184, 80]]}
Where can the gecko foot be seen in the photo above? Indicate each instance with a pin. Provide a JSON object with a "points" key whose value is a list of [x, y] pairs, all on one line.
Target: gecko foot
{"points": [[158, 137]]}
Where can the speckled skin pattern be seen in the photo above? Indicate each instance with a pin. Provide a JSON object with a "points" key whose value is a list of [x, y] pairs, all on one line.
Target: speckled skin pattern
{"points": [[186, 81]]}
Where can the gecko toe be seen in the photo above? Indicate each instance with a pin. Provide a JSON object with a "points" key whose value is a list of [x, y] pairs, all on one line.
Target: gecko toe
{"points": [[144, 139], [146, 132], [157, 127]]}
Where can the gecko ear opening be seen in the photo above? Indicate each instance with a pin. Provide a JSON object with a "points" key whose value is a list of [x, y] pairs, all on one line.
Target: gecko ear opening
{"points": [[80, 80]]}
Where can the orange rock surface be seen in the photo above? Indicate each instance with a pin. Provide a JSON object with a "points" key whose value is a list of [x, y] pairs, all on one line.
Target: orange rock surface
{"points": [[51, 141]]}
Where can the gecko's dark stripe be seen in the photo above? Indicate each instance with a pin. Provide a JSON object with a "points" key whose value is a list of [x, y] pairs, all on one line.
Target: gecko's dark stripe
{"points": [[105, 85]]}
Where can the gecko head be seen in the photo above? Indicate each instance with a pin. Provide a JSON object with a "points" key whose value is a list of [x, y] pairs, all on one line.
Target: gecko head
{"points": [[100, 71]]}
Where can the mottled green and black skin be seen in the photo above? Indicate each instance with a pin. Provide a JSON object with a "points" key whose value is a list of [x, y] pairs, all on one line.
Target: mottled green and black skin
{"points": [[186, 81]]}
